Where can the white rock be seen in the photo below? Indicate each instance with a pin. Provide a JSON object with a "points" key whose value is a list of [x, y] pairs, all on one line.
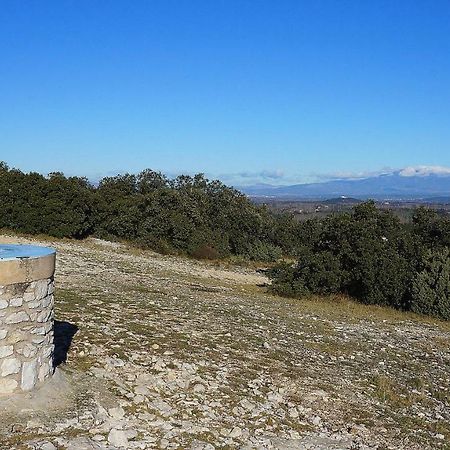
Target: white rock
{"points": [[116, 413], [41, 289], [98, 437], [16, 302], [199, 388], [47, 301], [28, 350], [29, 375], [316, 420], [118, 438], [235, 432], [6, 350], [3, 304], [44, 315], [29, 297], [47, 446], [10, 366], [44, 371], [3, 334], [17, 317], [34, 304], [7, 386]]}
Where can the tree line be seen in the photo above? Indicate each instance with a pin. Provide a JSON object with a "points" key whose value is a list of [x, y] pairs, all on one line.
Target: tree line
{"points": [[188, 214], [368, 254]]}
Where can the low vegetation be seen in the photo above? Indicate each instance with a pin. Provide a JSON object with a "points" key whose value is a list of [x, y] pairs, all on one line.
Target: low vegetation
{"points": [[366, 253], [372, 256]]}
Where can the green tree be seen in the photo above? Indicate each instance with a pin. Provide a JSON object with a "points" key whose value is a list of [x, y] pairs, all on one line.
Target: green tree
{"points": [[431, 285]]}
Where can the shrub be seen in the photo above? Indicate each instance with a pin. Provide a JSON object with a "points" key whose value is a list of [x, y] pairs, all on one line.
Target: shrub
{"points": [[205, 252], [263, 251], [431, 285], [318, 273]]}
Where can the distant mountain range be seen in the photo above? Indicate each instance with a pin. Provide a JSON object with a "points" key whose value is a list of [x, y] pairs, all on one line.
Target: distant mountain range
{"points": [[395, 185]]}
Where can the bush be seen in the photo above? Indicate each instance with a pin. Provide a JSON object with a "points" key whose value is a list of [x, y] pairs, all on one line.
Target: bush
{"points": [[205, 252], [367, 254], [318, 273], [263, 251], [431, 285]]}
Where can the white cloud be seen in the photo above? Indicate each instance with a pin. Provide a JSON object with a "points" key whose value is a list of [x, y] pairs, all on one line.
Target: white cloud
{"points": [[349, 175], [424, 171], [272, 176]]}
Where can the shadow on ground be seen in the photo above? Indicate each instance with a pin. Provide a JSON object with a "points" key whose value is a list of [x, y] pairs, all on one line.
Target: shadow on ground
{"points": [[64, 333]]}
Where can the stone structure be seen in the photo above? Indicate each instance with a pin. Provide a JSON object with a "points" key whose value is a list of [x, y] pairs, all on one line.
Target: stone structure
{"points": [[26, 316]]}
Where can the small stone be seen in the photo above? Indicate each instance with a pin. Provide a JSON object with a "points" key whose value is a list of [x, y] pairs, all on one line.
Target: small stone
{"points": [[28, 350], [29, 375], [3, 334], [41, 289], [44, 371], [138, 399], [29, 297], [98, 437], [116, 413], [16, 302], [17, 317], [118, 438], [44, 315], [34, 304], [316, 420], [6, 350], [51, 288], [7, 386], [10, 366], [199, 388], [47, 301], [235, 432], [3, 304], [131, 434], [47, 446]]}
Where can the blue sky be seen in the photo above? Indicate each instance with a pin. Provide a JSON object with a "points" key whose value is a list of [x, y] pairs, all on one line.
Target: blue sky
{"points": [[249, 91]]}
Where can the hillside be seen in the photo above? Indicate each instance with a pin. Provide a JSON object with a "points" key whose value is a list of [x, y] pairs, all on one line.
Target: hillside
{"points": [[174, 353]]}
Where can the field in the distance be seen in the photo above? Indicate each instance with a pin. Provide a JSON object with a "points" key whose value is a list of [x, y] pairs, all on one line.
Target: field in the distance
{"points": [[176, 353], [309, 209]]}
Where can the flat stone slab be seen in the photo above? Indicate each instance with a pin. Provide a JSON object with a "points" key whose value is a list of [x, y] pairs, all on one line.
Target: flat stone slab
{"points": [[17, 251], [25, 263]]}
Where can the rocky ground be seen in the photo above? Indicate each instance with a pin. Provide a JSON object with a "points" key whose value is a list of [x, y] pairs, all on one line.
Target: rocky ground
{"points": [[177, 354]]}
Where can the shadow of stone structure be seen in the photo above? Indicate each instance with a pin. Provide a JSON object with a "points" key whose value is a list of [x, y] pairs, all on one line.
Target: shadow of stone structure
{"points": [[64, 333]]}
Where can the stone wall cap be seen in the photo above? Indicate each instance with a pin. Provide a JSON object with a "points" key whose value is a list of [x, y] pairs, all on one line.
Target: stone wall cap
{"points": [[25, 263], [10, 252]]}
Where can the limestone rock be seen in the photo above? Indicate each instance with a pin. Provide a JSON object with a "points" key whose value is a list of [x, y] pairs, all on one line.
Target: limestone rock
{"points": [[118, 438], [6, 350], [7, 386], [29, 375], [17, 317], [10, 366]]}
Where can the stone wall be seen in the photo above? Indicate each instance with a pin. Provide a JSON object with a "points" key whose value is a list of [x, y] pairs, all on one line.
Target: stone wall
{"points": [[26, 334]]}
